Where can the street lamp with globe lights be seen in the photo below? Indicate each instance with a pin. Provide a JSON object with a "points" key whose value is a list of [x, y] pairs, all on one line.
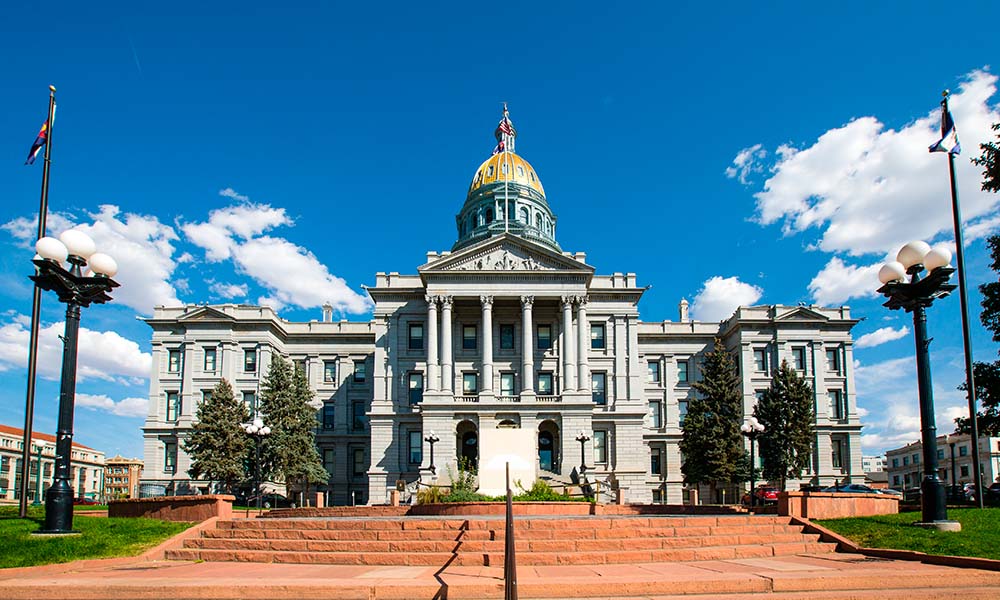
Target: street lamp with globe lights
{"points": [[77, 289], [432, 439], [583, 438], [915, 295], [258, 431], [751, 429]]}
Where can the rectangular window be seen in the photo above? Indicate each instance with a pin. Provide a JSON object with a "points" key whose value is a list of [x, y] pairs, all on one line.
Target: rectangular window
{"points": [[799, 358], [598, 388], [360, 371], [250, 361], [250, 400], [906, 461], [963, 470], [416, 339], [507, 384], [358, 417], [653, 371], [174, 361], [682, 371], [895, 480], [833, 361], [470, 383], [206, 395], [895, 463], [601, 447], [940, 454], [506, 337], [760, 360], [916, 459], [416, 449], [597, 332], [173, 406], [300, 365], [210, 360], [837, 452], [655, 414], [329, 371], [963, 450], [656, 461], [330, 460], [544, 337], [328, 415], [470, 337], [359, 462], [170, 457], [545, 384], [416, 388], [682, 411], [836, 404]]}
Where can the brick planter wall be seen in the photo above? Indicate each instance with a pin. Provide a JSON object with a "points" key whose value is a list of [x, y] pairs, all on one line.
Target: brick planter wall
{"points": [[175, 508], [824, 505]]}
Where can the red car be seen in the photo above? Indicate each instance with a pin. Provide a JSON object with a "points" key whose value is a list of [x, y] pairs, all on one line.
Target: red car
{"points": [[764, 494], [84, 502]]}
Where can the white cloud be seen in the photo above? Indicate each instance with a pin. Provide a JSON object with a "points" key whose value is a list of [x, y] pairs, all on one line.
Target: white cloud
{"points": [[103, 355], [129, 407], [229, 290], [231, 193], [747, 162], [291, 274], [881, 336], [838, 282], [719, 297]]}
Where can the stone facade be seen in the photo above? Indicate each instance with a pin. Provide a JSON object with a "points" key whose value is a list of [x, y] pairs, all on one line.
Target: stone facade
{"points": [[121, 477], [954, 457], [504, 330], [86, 466]]}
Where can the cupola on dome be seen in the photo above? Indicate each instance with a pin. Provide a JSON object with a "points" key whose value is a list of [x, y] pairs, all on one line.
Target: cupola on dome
{"points": [[505, 196]]}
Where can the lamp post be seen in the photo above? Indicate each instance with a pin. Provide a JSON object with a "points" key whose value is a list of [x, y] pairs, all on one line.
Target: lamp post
{"points": [[38, 480], [257, 430], [432, 439], [583, 439], [77, 290], [751, 429], [915, 296]]}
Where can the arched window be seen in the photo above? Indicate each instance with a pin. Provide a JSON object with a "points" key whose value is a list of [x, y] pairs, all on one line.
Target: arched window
{"points": [[489, 171], [538, 221], [504, 168], [489, 216], [532, 175], [524, 216], [479, 175], [520, 171], [472, 221]]}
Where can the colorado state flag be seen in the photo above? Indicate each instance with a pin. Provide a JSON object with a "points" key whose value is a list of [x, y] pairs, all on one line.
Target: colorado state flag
{"points": [[43, 136], [949, 135]]}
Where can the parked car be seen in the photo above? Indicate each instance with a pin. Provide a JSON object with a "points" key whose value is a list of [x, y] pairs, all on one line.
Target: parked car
{"points": [[912, 495], [764, 494], [270, 501], [992, 495], [891, 492], [84, 502], [850, 488]]}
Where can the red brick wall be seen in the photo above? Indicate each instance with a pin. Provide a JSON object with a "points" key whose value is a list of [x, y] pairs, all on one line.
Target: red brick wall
{"points": [[174, 508]]}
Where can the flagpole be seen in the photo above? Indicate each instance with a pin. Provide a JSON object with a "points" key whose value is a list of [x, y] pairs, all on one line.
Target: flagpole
{"points": [[970, 382], [36, 304]]}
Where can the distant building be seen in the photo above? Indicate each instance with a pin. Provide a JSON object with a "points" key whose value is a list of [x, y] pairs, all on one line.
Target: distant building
{"points": [[87, 464], [954, 457], [872, 464], [121, 477]]}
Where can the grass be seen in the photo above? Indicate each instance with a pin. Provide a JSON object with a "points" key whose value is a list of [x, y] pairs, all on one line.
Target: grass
{"points": [[980, 535], [99, 538]]}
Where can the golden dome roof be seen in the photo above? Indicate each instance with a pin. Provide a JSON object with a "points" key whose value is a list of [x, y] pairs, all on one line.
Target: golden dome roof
{"points": [[506, 166]]}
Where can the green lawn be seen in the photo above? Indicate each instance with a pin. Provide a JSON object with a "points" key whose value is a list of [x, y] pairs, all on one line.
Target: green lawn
{"points": [[980, 535], [99, 538]]}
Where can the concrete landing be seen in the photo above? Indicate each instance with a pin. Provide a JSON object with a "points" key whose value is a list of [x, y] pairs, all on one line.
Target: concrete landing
{"points": [[788, 577]]}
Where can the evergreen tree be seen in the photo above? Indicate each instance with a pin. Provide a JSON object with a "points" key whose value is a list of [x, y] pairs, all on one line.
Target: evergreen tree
{"points": [[989, 160], [987, 374], [289, 452], [217, 444], [786, 412], [711, 443]]}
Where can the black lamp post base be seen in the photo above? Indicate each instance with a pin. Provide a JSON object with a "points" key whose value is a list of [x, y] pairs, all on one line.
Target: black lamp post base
{"points": [[945, 525], [59, 508]]}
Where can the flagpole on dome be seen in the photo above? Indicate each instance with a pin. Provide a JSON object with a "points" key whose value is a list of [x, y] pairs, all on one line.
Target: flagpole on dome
{"points": [[36, 303], [507, 142], [949, 143]]}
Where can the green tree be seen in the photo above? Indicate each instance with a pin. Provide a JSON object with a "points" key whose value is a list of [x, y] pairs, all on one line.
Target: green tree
{"points": [[217, 445], [711, 443], [988, 160], [786, 412], [987, 374], [289, 452]]}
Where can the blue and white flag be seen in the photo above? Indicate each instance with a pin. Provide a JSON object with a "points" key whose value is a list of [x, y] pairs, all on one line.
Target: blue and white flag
{"points": [[949, 135]]}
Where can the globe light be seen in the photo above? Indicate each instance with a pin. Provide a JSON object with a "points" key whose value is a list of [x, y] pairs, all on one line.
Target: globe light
{"points": [[78, 243], [745, 428], [51, 249], [265, 430], [258, 423], [939, 256], [431, 433], [102, 265], [913, 253], [892, 271], [251, 429]]}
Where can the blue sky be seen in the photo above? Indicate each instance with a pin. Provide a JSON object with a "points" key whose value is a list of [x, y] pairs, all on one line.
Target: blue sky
{"points": [[238, 152]]}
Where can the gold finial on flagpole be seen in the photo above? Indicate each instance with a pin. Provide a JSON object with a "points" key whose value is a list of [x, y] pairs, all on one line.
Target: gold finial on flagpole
{"points": [[945, 93], [52, 88]]}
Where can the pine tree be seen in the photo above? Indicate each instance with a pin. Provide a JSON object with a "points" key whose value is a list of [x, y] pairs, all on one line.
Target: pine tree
{"points": [[987, 374], [711, 443], [289, 452], [786, 412], [989, 160], [217, 445]]}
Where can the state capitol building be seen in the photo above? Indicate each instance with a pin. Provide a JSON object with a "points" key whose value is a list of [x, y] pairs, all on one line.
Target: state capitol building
{"points": [[504, 330]]}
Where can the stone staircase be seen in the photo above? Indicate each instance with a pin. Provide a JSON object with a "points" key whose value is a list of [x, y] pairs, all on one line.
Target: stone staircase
{"points": [[479, 541]]}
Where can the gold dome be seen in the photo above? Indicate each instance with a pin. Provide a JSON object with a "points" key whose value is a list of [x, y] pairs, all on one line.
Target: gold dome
{"points": [[506, 166]]}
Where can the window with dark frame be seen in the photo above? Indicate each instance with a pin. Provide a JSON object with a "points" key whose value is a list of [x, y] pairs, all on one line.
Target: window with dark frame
{"points": [[250, 401], [598, 387], [330, 461], [600, 447], [174, 361], [545, 384], [329, 413], [597, 336], [682, 371], [360, 371], [170, 457], [470, 383], [416, 388], [507, 384], [833, 360], [210, 360], [329, 371], [470, 337], [416, 337], [416, 450], [760, 360], [836, 404], [837, 452], [655, 414], [544, 337], [506, 336], [250, 361], [656, 461], [799, 358], [653, 371], [173, 406], [359, 468], [358, 417]]}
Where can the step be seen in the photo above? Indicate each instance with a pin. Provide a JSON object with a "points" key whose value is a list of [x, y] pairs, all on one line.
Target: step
{"points": [[605, 522], [436, 559]]}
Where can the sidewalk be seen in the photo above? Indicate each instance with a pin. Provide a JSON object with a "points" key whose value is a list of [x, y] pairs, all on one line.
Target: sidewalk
{"points": [[787, 577]]}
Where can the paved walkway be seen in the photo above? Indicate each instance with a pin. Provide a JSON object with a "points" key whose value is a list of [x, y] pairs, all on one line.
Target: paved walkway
{"points": [[789, 577]]}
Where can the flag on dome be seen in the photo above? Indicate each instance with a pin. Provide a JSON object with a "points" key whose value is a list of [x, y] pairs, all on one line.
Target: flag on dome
{"points": [[949, 135], [43, 136]]}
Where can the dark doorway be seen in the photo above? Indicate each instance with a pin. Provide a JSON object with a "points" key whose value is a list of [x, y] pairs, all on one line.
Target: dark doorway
{"points": [[546, 451]]}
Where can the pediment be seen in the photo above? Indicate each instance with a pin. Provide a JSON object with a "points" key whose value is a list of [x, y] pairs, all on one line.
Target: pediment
{"points": [[507, 253], [205, 313], [801, 313]]}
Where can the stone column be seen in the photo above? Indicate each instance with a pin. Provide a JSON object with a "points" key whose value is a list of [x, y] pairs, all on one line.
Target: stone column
{"points": [[487, 383], [447, 376], [583, 335], [433, 375], [527, 348], [569, 368]]}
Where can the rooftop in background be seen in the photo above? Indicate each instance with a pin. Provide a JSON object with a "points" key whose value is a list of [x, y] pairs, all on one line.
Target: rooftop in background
{"points": [[16, 431]]}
